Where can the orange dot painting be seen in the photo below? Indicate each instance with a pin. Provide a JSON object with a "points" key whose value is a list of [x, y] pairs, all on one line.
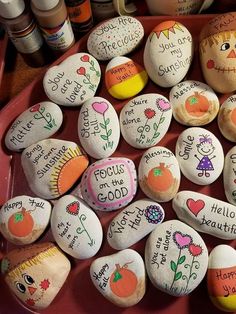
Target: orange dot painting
{"points": [[197, 105], [160, 178], [233, 116], [21, 224]]}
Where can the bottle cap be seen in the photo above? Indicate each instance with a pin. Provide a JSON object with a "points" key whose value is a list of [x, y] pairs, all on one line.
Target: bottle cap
{"points": [[10, 9], [45, 5]]}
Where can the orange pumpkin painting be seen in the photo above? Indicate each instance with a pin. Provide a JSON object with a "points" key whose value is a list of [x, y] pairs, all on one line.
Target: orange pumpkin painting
{"points": [[21, 224], [123, 282], [233, 116], [197, 105], [160, 178]]}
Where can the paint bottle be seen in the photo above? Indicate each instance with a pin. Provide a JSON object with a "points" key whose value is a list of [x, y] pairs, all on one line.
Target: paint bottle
{"points": [[23, 31], [53, 20], [80, 15]]}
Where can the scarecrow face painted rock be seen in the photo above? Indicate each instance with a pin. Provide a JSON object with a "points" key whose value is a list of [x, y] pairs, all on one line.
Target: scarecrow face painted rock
{"points": [[218, 52]]}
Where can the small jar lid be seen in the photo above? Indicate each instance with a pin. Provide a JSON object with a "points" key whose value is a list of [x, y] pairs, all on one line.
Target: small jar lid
{"points": [[11, 9], [45, 5]]}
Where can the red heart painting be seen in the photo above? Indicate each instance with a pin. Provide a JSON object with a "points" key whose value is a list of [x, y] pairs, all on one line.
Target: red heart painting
{"points": [[81, 71], [195, 206], [195, 250], [35, 108], [149, 113], [73, 208], [85, 58]]}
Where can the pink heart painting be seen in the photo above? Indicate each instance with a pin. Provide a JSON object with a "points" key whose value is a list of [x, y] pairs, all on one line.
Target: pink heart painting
{"points": [[163, 105], [100, 107], [195, 206], [182, 240]]}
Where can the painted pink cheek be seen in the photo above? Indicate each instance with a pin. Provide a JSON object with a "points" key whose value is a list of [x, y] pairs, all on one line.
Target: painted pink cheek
{"points": [[210, 64]]}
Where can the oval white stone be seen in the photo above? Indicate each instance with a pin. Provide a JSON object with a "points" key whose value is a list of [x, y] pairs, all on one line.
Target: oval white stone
{"points": [[226, 119], [229, 176]]}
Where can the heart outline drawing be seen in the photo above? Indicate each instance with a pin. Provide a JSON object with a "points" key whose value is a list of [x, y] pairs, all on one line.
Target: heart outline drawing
{"points": [[73, 208], [195, 206]]}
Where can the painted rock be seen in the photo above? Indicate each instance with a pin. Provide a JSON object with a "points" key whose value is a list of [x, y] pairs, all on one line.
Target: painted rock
{"points": [[124, 78], [133, 223], [227, 119], [115, 37], [221, 277], [200, 155], [76, 228], [35, 273], [159, 174], [194, 103], [145, 120], [34, 124], [217, 52], [229, 176], [98, 128], [109, 184], [168, 53], [24, 218], [73, 81], [176, 258], [120, 277], [52, 166], [206, 214]]}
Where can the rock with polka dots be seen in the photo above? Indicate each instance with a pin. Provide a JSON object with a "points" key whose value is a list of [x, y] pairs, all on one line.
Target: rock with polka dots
{"points": [[200, 155], [115, 37], [52, 166], [229, 176], [227, 118], [109, 184]]}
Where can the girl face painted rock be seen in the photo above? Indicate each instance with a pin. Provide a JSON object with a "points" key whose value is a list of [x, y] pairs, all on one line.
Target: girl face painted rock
{"points": [[120, 277], [115, 37], [227, 118], [221, 277], [133, 223], [76, 228], [145, 120], [98, 128], [24, 219], [218, 54], [200, 155], [36, 273], [193, 103], [73, 81], [176, 258], [159, 174], [34, 124], [168, 53], [109, 184], [52, 166], [206, 214], [229, 176]]}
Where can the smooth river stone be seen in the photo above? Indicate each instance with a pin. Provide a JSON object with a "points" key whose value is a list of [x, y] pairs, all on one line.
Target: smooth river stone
{"points": [[76, 228], [120, 277], [98, 128], [124, 78], [229, 176], [52, 166], [73, 81], [115, 37], [34, 124], [133, 223], [200, 155], [109, 184], [23, 219], [159, 174], [35, 273], [194, 103], [176, 258], [221, 275], [227, 119], [168, 53], [145, 119], [206, 214]]}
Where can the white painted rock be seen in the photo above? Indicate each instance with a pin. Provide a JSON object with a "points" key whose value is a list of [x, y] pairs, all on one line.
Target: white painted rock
{"points": [[98, 128], [76, 228], [176, 258], [124, 78], [34, 124], [200, 155], [221, 277], [120, 277], [109, 184], [24, 219], [73, 81], [115, 37], [227, 119], [206, 214], [35, 273], [133, 223], [229, 175], [194, 103], [159, 174], [168, 53], [145, 120], [52, 166]]}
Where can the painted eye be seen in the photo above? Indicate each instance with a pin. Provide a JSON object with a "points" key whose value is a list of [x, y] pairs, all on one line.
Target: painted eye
{"points": [[20, 287], [225, 46], [29, 280]]}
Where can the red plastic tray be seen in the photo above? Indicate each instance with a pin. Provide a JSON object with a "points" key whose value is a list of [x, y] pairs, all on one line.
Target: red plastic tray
{"points": [[78, 295]]}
